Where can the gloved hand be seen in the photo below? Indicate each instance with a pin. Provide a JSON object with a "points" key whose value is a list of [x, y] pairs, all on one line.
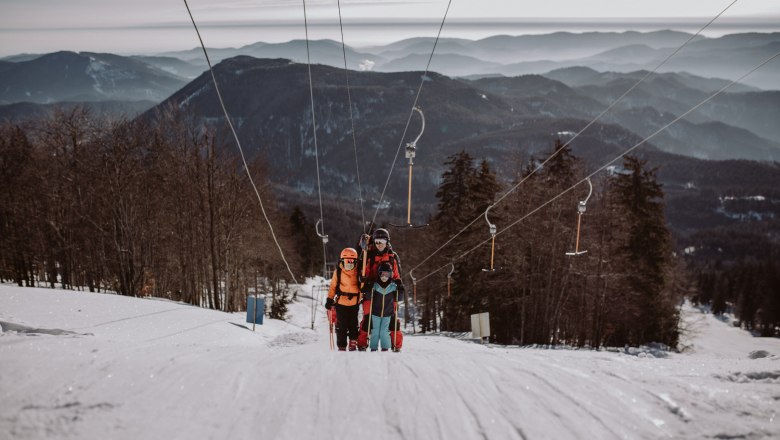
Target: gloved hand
{"points": [[329, 303], [365, 239]]}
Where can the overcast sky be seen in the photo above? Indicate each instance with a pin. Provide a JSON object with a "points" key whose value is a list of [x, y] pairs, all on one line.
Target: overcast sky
{"points": [[157, 25]]}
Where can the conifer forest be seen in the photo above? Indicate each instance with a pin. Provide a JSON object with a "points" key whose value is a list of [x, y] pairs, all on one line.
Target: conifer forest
{"points": [[160, 207]]}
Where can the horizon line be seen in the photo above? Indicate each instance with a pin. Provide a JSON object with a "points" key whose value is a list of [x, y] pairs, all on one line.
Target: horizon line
{"points": [[764, 20]]}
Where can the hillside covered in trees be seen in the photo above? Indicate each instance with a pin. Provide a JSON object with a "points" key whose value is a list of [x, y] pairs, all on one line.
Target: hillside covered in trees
{"points": [[623, 290], [139, 209]]}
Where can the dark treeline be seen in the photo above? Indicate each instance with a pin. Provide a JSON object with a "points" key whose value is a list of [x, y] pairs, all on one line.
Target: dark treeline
{"points": [[624, 290], [165, 209], [140, 208], [739, 272]]}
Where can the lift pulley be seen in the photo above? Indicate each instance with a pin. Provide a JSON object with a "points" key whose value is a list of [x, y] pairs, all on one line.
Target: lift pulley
{"points": [[493, 231], [581, 208], [411, 152], [449, 280]]}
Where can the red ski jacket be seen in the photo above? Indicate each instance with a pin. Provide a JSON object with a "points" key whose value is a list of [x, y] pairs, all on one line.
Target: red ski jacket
{"points": [[372, 265]]}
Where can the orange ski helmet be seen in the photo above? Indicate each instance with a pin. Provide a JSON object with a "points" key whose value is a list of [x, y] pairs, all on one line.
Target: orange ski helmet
{"points": [[348, 253]]}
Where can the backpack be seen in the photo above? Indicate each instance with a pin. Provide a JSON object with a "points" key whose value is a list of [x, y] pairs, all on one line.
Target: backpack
{"points": [[338, 287]]}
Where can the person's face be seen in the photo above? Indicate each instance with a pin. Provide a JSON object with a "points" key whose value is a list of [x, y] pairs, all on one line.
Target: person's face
{"points": [[380, 244], [349, 263], [384, 276]]}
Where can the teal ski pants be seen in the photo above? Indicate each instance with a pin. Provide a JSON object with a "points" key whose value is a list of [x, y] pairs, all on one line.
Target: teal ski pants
{"points": [[380, 331]]}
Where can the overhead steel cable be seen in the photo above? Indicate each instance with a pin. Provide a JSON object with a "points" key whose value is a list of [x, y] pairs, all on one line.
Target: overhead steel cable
{"points": [[411, 113], [588, 125], [316, 149], [238, 143], [352, 120], [606, 165]]}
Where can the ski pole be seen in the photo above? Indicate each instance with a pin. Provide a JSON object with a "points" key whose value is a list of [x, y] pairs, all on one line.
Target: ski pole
{"points": [[395, 324], [330, 327], [363, 270], [254, 316], [381, 318], [370, 315]]}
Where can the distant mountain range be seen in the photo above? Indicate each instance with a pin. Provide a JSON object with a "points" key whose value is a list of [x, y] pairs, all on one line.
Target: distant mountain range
{"points": [[70, 76], [500, 119], [733, 125], [726, 57], [738, 124]]}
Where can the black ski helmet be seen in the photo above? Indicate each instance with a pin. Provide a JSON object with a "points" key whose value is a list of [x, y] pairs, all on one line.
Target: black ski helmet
{"points": [[385, 267], [381, 233]]}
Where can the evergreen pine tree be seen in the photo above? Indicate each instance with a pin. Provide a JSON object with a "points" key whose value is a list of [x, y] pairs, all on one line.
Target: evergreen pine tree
{"points": [[455, 205], [646, 252]]}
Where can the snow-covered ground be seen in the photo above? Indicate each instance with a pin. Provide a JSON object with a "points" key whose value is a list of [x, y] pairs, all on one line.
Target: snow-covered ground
{"points": [[97, 366]]}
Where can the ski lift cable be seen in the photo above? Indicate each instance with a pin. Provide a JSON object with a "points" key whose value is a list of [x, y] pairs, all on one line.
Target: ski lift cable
{"points": [[238, 143], [411, 112], [352, 120], [316, 150], [606, 165], [600, 115]]}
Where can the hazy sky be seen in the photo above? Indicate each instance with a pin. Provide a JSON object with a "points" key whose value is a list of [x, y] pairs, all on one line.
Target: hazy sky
{"points": [[150, 26]]}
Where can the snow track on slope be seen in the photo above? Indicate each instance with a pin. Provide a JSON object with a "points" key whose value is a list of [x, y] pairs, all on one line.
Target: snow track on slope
{"points": [[142, 372]]}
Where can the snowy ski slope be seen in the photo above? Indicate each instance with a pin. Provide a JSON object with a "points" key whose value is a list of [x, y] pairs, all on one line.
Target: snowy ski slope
{"points": [[95, 366]]}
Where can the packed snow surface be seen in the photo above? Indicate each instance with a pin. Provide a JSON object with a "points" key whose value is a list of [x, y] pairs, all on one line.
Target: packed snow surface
{"points": [[77, 365]]}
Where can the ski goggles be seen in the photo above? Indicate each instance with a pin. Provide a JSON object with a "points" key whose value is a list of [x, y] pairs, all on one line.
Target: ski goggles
{"points": [[348, 261], [386, 274], [380, 241]]}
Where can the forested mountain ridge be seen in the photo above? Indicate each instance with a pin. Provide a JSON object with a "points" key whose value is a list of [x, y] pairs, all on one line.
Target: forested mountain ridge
{"points": [[268, 101], [496, 118]]}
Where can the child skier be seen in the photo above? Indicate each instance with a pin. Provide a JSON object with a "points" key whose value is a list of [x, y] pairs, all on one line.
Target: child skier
{"points": [[344, 293], [382, 298]]}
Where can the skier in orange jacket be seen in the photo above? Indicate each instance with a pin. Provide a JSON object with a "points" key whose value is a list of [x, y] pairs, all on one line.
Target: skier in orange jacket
{"points": [[344, 295]]}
